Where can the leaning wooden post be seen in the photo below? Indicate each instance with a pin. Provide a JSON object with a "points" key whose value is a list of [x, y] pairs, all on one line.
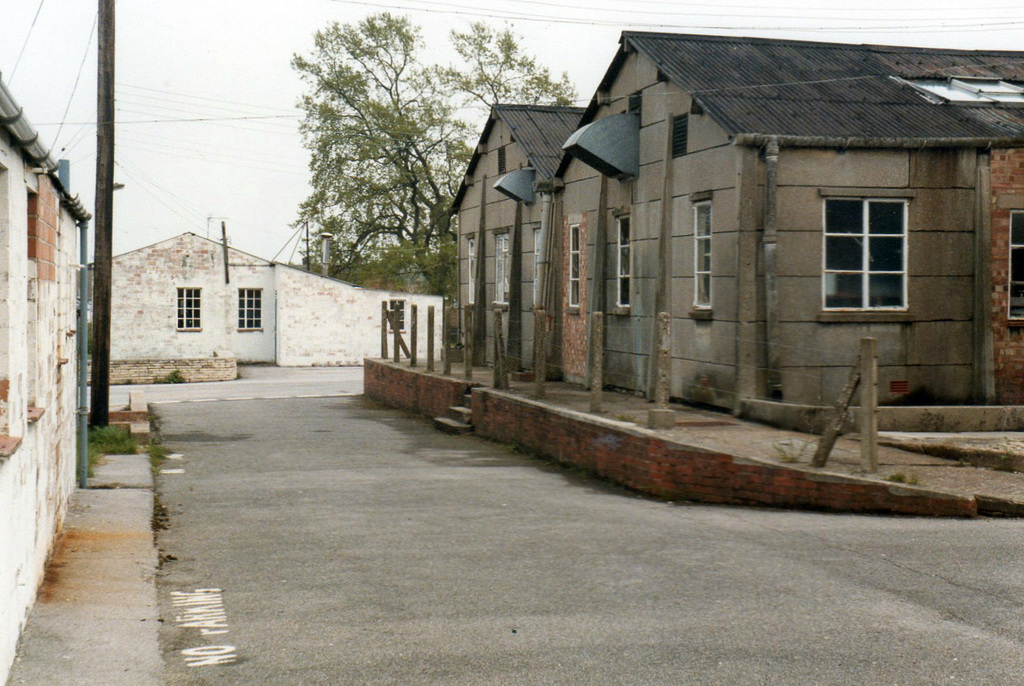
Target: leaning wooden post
{"points": [[467, 342], [414, 330], [383, 329], [869, 405], [597, 363], [540, 345], [430, 338], [834, 422], [446, 353]]}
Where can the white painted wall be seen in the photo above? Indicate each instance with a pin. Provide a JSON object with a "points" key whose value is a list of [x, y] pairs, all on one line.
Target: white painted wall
{"points": [[307, 319], [328, 322], [37, 481]]}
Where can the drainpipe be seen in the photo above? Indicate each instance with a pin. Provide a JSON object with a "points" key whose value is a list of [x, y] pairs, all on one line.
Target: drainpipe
{"points": [[83, 353], [771, 158]]}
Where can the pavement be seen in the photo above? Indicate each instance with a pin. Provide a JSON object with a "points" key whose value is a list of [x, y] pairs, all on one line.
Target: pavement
{"points": [[96, 618]]}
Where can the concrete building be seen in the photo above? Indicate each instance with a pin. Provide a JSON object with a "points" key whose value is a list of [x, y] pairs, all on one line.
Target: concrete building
{"points": [[180, 300], [505, 208], [38, 368], [783, 199]]}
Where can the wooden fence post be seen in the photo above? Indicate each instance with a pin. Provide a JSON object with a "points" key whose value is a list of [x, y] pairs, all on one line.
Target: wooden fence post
{"points": [[597, 364], [393, 318], [414, 330], [446, 353], [661, 416], [500, 375], [430, 338], [467, 342], [540, 345], [836, 419], [869, 405], [383, 329]]}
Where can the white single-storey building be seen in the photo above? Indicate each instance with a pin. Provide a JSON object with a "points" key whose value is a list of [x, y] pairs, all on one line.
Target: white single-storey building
{"points": [[190, 298]]}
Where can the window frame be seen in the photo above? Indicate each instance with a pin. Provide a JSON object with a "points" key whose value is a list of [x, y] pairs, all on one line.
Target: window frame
{"points": [[189, 308], [501, 268], [1011, 282], [575, 265], [471, 270], [623, 261], [250, 309], [865, 271], [398, 304], [702, 247]]}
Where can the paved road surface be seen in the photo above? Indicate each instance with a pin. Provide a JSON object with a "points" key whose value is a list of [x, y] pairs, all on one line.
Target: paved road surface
{"points": [[355, 545]]}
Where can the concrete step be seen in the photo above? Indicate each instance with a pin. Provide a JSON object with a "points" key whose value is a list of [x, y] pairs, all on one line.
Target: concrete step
{"points": [[467, 400], [460, 414], [452, 426]]}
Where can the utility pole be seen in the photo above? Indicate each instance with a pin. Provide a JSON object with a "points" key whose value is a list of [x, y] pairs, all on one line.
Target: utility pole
{"points": [[104, 239], [224, 240]]}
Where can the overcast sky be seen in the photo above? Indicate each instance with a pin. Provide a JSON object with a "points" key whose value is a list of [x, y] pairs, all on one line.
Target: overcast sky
{"points": [[207, 123]]}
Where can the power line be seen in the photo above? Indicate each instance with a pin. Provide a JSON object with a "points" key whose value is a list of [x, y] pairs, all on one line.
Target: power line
{"points": [[25, 44], [78, 78]]}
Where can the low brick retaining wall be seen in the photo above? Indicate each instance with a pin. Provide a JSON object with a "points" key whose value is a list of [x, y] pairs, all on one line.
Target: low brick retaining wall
{"points": [[639, 459], [428, 394], [192, 370]]}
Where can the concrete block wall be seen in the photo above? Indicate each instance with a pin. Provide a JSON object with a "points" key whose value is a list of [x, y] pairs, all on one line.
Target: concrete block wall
{"points": [[38, 243]]}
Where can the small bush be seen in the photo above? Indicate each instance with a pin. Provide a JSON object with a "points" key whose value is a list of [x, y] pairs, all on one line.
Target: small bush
{"points": [[173, 377], [901, 478]]}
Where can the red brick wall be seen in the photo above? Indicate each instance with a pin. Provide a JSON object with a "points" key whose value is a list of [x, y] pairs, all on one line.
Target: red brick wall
{"points": [[574, 326], [643, 462], [395, 386], [43, 229], [1008, 340]]}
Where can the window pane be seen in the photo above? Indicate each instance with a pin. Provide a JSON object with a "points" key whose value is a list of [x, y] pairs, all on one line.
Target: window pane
{"points": [[703, 227], [844, 216], [886, 254], [843, 290], [704, 256], [1017, 300], [704, 290], [885, 217], [844, 253], [1017, 227], [624, 292], [886, 290], [1017, 265]]}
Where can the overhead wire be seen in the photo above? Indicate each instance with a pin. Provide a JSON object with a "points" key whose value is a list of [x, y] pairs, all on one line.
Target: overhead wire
{"points": [[14, 71], [78, 78]]}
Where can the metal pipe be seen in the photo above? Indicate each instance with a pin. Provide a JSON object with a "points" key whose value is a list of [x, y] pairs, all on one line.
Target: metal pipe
{"points": [[759, 140], [83, 353]]}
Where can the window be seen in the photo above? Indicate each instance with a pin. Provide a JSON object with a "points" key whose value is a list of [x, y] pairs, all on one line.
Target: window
{"points": [[471, 270], [702, 255], [501, 268], [574, 265], [865, 254], [680, 134], [1017, 265], [189, 309], [538, 257], [398, 307], [250, 309], [624, 263]]}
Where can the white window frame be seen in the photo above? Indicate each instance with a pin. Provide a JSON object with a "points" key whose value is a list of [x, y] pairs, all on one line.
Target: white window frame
{"points": [[575, 264], [702, 249], [624, 261], [398, 306], [1016, 281], [501, 268], [471, 270], [250, 309], [864, 270], [190, 309]]}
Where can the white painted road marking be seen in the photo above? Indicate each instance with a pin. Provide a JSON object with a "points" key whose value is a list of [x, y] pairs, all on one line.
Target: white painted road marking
{"points": [[203, 609], [172, 471]]}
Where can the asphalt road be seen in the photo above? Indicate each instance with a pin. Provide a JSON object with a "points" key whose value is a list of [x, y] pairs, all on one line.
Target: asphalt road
{"points": [[355, 545]]}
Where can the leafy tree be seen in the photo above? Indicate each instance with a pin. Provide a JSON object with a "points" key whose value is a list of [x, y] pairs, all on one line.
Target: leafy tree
{"points": [[388, 152]]}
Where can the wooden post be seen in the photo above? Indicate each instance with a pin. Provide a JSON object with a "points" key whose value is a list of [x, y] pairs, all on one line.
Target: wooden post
{"points": [[383, 329], [500, 372], [393, 318], [446, 353], [664, 353], [540, 344], [869, 405], [597, 363], [430, 338], [414, 331], [467, 342], [835, 421]]}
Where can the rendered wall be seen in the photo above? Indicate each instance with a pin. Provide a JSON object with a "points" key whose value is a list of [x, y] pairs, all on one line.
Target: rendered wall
{"points": [[327, 322], [37, 370]]}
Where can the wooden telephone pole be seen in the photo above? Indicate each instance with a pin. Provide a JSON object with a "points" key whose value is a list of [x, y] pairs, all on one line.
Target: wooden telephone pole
{"points": [[104, 238]]}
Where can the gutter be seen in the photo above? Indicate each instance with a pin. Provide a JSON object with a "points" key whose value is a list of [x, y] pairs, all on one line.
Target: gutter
{"points": [[762, 139]]}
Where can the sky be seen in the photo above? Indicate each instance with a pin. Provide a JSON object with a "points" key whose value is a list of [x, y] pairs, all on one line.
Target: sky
{"points": [[207, 123]]}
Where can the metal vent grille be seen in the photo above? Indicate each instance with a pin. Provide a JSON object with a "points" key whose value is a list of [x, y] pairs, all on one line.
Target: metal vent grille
{"points": [[679, 135]]}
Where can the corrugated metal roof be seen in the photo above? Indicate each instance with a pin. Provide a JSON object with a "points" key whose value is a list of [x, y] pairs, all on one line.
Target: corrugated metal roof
{"points": [[541, 130], [798, 88]]}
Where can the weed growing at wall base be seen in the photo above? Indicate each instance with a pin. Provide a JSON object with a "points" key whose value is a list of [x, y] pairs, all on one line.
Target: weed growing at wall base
{"points": [[109, 440]]}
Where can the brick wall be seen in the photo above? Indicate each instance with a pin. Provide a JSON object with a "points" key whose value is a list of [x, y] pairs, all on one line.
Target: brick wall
{"points": [[574, 326], [43, 220], [427, 394], [1008, 338]]}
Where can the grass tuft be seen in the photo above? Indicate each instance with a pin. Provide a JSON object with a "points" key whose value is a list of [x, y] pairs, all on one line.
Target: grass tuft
{"points": [[109, 440]]}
